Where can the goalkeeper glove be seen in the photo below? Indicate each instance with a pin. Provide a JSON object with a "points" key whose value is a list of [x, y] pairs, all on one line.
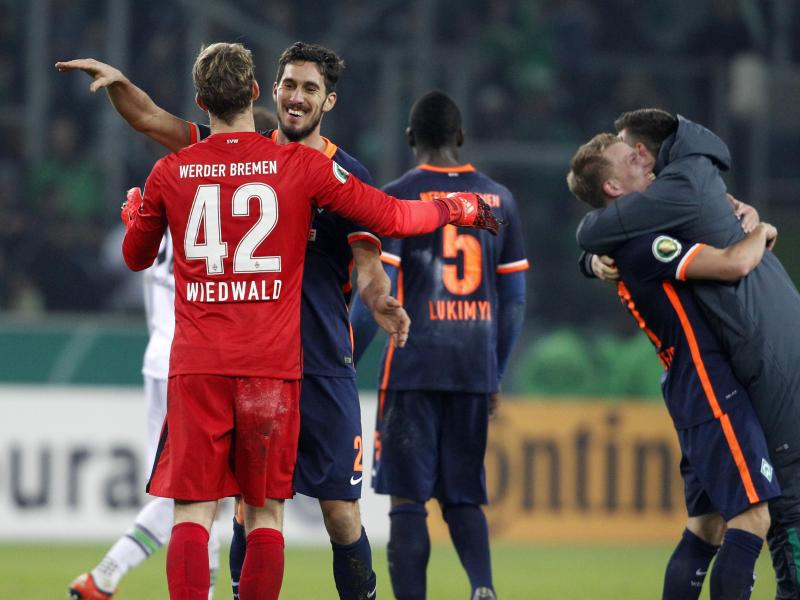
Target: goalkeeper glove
{"points": [[470, 210], [133, 200]]}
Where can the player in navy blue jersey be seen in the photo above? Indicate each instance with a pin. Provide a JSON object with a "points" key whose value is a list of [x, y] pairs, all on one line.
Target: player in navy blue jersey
{"points": [[329, 465], [465, 295], [728, 476]]}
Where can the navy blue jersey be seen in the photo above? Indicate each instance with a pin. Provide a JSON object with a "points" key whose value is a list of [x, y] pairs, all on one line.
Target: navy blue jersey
{"points": [[447, 283], [698, 383], [324, 323]]}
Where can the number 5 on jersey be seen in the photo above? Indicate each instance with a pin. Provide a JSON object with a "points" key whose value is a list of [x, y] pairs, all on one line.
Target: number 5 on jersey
{"points": [[213, 250], [454, 243]]}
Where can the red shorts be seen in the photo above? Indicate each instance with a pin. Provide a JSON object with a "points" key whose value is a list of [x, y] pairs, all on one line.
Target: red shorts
{"points": [[226, 436]]}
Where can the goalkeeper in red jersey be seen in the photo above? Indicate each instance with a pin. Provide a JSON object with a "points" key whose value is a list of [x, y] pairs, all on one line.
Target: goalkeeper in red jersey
{"points": [[238, 207], [329, 453]]}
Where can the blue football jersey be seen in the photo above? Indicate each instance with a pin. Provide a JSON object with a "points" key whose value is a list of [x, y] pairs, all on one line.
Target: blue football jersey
{"points": [[325, 325], [698, 382], [447, 283]]}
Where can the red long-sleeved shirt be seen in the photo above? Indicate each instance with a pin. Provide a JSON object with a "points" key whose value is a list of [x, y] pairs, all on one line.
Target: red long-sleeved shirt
{"points": [[239, 207]]}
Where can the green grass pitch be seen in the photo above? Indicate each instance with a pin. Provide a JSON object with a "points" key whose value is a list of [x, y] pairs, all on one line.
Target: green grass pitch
{"points": [[43, 572]]}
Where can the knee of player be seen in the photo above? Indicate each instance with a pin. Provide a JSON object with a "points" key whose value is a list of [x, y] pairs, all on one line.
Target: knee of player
{"points": [[762, 519], [399, 501], [709, 527], [238, 510], [755, 519], [450, 511], [269, 516], [342, 520]]}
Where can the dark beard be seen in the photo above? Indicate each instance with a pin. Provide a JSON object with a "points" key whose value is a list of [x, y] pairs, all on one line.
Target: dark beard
{"points": [[295, 135]]}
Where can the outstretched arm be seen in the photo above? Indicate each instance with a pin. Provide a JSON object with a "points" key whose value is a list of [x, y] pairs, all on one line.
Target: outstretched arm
{"points": [[331, 187], [133, 103], [734, 262]]}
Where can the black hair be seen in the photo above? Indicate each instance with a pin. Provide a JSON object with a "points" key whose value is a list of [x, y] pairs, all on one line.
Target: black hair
{"points": [[650, 126], [329, 63], [435, 120]]}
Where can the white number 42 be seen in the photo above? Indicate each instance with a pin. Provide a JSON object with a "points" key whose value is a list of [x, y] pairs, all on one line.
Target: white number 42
{"points": [[206, 210]]}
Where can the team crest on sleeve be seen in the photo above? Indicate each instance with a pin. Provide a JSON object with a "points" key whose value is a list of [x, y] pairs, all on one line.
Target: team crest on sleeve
{"points": [[340, 172], [666, 248], [766, 469]]}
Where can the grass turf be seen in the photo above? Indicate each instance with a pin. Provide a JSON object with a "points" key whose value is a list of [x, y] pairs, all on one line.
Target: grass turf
{"points": [[43, 572]]}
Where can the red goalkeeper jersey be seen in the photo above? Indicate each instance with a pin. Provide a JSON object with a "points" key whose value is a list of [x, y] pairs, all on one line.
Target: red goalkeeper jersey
{"points": [[238, 207]]}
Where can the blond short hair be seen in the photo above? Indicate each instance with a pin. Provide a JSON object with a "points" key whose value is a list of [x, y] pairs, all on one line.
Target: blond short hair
{"points": [[223, 76], [589, 169]]}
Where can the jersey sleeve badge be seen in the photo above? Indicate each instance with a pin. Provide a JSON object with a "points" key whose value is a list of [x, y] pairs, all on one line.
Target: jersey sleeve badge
{"points": [[340, 172], [666, 248]]}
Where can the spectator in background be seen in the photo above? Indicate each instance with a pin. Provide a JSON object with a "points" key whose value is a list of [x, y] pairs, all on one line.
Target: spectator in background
{"points": [[65, 189]]}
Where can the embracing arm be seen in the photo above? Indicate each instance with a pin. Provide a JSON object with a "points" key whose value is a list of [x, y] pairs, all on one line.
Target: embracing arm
{"points": [[604, 268], [133, 104], [735, 261], [669, 204]]}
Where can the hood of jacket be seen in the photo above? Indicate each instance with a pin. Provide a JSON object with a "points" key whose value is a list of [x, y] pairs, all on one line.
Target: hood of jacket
{"points": [[693, 139]]}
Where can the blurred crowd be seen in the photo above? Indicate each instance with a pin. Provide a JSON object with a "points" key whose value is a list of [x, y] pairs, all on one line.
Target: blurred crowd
{"points": [[543, 72]]}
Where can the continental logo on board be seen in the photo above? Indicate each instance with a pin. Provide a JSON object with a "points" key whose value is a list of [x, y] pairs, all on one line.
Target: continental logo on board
{"points": [[582, 471], [492, 200]]}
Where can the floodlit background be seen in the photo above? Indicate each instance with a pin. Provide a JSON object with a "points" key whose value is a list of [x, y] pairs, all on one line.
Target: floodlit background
{"points": [[534, 79]]}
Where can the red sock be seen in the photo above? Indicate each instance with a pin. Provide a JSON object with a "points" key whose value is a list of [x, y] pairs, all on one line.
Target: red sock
{"points": [[188, 576], [262, 572]]}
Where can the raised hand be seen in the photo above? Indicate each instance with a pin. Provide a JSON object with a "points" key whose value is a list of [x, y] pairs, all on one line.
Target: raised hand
{"points": [[102, 74]]}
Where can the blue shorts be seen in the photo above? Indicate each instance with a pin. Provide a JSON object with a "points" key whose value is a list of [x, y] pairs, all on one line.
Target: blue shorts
{"points": [[725, 464], [329, 453], [431, 445]]}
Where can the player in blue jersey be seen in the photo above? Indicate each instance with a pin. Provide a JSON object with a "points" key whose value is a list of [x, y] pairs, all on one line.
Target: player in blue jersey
{"points": [[728, 476], [465, 295], [329, 465]]}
